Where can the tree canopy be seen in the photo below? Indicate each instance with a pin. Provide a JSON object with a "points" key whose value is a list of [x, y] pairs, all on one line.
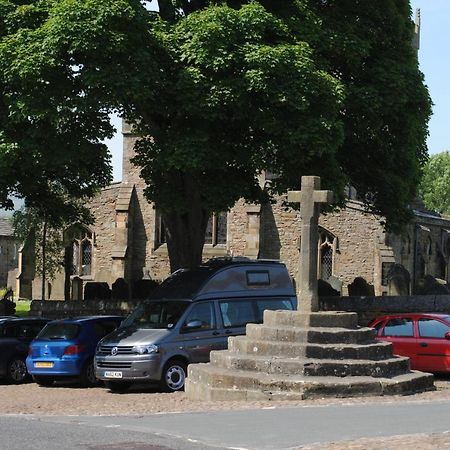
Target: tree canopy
{"points": [[219, 91], [435, 184]]}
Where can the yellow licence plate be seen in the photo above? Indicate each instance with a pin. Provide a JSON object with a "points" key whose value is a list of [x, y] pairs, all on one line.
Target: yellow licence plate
{"points": [[43, 364]]}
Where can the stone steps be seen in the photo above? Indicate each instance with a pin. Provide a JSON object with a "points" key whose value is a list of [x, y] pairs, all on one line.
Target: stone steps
{"points": [[386, 368], [313, 335], [327, 319], [372, 351], [295, 355], [208, 382]]}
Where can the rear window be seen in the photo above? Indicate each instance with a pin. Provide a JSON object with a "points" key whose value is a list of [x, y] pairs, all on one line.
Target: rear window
{"points": [[59, 330], [401, 327]]}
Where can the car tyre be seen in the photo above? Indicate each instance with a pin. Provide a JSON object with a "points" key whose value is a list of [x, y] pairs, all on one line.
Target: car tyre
{"points": [[174, 376], [117, 386], [43, 380], [16, 372], [87, 376]]}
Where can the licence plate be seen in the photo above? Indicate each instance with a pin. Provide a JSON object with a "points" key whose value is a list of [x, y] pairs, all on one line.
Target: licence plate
{"points": [[43, 364], [109, 374]]}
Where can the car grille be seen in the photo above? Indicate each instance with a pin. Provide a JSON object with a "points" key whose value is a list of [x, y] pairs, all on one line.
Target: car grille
{"points": [[121, 350], [114, 365]]}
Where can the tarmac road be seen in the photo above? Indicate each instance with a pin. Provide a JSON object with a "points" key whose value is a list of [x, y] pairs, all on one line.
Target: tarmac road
{"points": [[379, 425]]}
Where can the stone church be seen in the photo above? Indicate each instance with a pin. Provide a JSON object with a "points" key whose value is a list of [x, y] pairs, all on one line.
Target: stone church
{"points": [[126, 243]]}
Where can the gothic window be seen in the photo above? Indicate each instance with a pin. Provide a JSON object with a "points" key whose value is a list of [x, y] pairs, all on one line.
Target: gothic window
{"points": [[160, 230], [81, 253], [327, 247], [216, 230]]}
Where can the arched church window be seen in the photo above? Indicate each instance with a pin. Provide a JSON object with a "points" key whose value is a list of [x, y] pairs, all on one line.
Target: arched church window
{"points": [[216, 230], [160, 230], [81, 251], [327, 247]]}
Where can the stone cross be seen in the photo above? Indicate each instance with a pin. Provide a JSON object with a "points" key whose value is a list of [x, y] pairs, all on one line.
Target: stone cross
{"points": [[310, 198]]}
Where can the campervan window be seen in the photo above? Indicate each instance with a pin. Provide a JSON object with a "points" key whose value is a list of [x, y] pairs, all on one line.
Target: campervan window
{"points": [[237, 313], [258, 278]]}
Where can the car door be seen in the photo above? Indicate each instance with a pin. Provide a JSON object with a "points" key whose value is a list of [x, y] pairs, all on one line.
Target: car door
{"points": [[400, 332], [433, 348], [198, 341]]}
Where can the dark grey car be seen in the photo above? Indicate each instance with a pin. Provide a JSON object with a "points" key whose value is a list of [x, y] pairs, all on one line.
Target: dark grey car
{"points": [[16, 335], [193, 312]]}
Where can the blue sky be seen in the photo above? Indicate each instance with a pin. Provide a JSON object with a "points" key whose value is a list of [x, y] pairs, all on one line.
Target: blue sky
{"points": [[434, 62]]}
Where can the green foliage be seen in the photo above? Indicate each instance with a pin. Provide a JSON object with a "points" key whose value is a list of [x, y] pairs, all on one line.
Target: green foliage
{"points": [[242, 96], [220, 91], [435, 185]]}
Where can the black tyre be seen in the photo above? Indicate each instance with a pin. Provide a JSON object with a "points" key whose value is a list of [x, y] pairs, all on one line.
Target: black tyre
{"points": [[43, 380], [174, 376], [117, 386], [87, 376], [16, 372]]}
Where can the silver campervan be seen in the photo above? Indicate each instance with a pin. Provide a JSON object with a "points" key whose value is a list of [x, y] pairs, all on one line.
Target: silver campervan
{"points": [[191, 313]]}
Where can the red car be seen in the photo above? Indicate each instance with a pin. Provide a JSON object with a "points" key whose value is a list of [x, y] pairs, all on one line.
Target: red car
{"points": [[425, 338]]}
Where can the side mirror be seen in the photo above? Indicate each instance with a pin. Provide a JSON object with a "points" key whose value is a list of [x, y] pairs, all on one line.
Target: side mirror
{"points": [[193, 324], [447, 336]]}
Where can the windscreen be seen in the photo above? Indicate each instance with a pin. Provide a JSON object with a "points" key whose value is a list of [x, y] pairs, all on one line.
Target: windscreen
{"points": [[59, 330], [156, 314]]}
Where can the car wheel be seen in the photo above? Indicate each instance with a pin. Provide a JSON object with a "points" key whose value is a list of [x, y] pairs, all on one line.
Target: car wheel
{"points": [[87, 376], [43, 380], [17, 371], [116, 386], [174, 376]]}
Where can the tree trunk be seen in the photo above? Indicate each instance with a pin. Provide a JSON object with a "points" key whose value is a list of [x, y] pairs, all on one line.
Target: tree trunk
{"points": [[44, 243], [185, 231], [67, 263]]}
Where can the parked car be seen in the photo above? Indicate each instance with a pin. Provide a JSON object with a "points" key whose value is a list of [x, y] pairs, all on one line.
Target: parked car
{"points": [[192, 312], [424, 338], [15, 336], [65, 349]]}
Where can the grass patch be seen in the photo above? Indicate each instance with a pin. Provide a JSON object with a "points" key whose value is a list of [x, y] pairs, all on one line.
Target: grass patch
{"points": [[22, 307]]}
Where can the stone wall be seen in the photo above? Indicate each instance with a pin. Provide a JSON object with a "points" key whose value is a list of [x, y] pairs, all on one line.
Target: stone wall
{"points": [[103, 208], [59, 309], [370, 307], [8, 258], [367, 307]]}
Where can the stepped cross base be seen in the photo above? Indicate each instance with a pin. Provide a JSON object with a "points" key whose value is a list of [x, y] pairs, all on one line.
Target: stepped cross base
{"points": [[295, 355]]}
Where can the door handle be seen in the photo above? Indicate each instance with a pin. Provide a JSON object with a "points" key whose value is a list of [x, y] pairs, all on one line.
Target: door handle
{"points": [[423, 344], [215, 333]]}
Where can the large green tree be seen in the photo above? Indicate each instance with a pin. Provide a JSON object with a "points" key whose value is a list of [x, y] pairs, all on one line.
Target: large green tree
{"points": [[220, 91], [435, 184]]}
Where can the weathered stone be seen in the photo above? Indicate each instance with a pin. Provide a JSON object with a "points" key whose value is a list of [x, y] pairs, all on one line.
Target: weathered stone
{"points": [[296, 356], [120, 290], [398, 279], [360, 287]]}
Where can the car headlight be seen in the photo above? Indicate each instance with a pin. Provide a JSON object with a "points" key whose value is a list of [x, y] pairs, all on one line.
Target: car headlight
{"points": [[145, 349]]}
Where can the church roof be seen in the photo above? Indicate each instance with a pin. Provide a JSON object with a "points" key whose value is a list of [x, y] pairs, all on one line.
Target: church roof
{"points": [[6, 228]]}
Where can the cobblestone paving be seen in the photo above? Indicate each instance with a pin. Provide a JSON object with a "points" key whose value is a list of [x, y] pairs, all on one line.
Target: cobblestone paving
{"points": [[66, 399]]}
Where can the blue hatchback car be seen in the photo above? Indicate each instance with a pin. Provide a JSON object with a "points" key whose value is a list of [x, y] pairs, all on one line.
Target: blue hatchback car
{"points": [[65, 349]]}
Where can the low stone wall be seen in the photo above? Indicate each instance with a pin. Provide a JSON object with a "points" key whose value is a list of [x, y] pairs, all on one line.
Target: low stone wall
{"points": [[59, 309], [370, 307], [367, 307]]}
